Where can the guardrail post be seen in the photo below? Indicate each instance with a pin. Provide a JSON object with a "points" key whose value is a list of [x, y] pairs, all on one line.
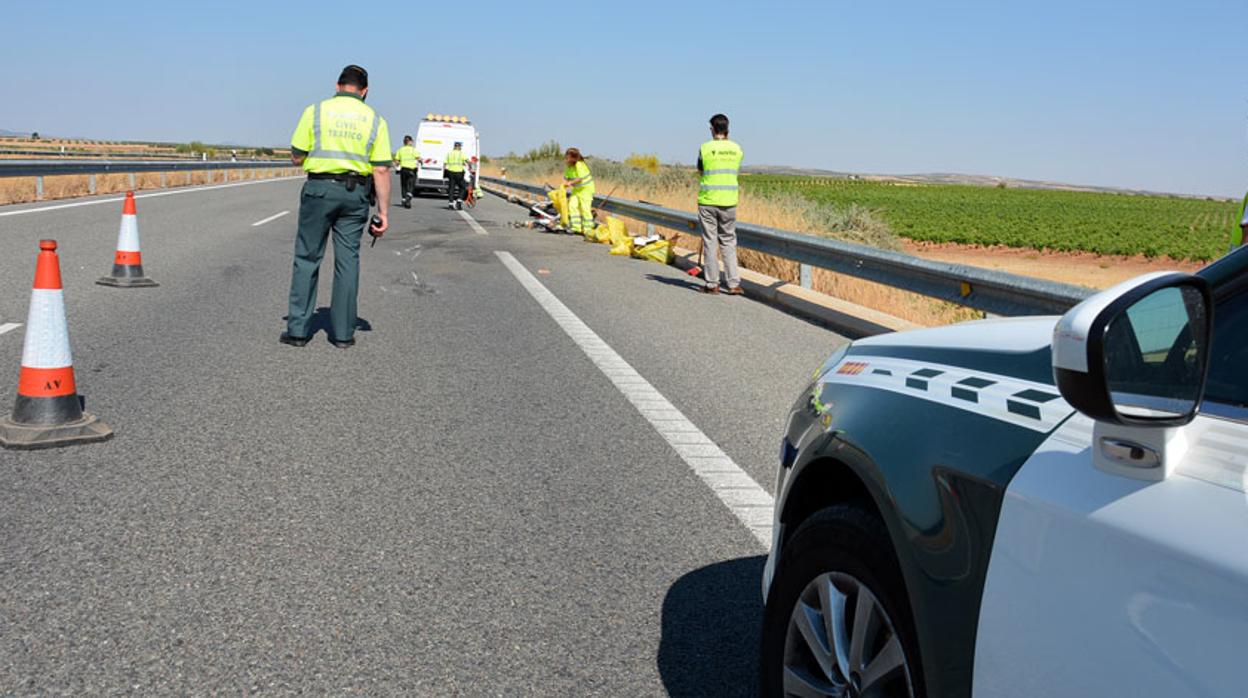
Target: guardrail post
{"points": [[163, 183], [38, 188], [91, 184], [132, 180], [190, 178], [804, 275], [649, 229]]}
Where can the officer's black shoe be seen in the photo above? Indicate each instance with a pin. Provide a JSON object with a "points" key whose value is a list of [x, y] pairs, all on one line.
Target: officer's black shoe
{"points": [[343, 344], [407, 202], [286, 338]]}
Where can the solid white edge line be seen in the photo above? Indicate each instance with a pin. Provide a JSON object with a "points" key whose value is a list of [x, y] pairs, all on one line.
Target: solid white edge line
{"points": [[476, 227], [9, 327], [183, 190], [270, 219], [746, 499]]}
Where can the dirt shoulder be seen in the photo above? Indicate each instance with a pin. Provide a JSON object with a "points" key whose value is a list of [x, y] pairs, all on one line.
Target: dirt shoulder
{"points": [[1082, 268]]}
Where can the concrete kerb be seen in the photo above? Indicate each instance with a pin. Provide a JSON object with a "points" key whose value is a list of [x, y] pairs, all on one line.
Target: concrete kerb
{"points": [[840, 316]]}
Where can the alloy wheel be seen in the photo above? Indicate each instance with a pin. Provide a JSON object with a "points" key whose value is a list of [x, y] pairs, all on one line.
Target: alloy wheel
{"points": [[842, 643]]}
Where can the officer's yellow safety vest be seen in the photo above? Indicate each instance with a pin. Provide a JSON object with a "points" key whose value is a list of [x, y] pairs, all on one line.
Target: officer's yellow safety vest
{"points": [[342, 134], [408, 157], [578, 171], [721, 163], [455, 161]]}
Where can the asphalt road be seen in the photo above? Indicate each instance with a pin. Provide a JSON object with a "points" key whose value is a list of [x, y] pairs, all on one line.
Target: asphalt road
{"points": [[462, 504]]}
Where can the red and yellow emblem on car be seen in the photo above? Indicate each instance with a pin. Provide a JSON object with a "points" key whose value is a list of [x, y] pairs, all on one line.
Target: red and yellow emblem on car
{"points": [[852, 368]]}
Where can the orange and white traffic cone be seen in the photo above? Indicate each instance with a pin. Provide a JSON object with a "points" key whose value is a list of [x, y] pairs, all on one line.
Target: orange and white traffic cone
{"points": [[48, 412], [128, 263]]}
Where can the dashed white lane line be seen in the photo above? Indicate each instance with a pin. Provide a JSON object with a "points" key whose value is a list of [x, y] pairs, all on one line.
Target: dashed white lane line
{"points": [[188, 190], [270, 219], [476, 227], [9, 327], [747, 500]]}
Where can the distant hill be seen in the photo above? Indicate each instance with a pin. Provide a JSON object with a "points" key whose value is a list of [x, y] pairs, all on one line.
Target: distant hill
{"points": [[963, 179], [13, 134]]}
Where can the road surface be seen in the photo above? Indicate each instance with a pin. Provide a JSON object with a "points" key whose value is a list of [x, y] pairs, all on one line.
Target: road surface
{"points": [[479, 498]]}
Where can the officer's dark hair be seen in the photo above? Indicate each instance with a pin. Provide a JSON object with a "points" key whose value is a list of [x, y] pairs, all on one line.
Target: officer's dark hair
{"points": [[719, 124], [354, 76], [406, 138]]}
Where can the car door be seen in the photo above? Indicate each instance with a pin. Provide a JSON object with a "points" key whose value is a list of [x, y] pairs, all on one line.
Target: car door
{"points": [[1103, 584]]}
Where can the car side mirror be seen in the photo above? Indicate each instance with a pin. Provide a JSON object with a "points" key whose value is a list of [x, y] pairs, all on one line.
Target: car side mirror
{"points": [[1137, 354]]}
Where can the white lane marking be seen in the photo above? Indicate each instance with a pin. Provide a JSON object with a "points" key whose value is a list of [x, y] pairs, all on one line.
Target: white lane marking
{"points": [[188, 190], [270, 219], [748, 501], [9, 327], [476, 227]]}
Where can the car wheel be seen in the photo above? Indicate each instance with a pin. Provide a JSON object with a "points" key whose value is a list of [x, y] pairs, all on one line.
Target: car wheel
{"points": [[837, 622]]}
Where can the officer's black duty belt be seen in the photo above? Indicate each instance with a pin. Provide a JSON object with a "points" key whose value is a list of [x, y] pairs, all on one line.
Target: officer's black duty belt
{"points": [[351, 179]]}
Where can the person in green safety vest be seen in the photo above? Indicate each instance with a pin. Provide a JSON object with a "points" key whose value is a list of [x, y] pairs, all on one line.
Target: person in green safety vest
{"points": [[719, 163], [408, 159], [455, 184], [1240, 231], [580, 185], [344, 146]]}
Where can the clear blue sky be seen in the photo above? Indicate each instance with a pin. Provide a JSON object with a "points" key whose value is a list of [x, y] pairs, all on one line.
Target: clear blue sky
{"points": [[1135, 94]]}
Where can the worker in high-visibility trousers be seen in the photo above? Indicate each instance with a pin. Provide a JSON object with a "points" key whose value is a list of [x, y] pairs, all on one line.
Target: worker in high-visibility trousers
{"points": [[1237, 236], [580, 184], [408, 159]]}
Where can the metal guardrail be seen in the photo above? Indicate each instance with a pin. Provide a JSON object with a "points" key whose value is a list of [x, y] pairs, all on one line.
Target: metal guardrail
{"points": [[69, 154], [50, 167], [991, 291]]}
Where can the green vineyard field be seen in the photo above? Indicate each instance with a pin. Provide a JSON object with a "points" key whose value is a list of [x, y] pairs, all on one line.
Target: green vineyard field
{"points": [[1104, 223]]}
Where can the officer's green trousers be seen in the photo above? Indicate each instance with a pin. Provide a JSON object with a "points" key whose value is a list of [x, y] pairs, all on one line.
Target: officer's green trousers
{"points": [[325, 205]]}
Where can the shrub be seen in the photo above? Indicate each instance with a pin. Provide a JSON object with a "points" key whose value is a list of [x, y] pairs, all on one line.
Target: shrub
{"points": [[649, 163]]}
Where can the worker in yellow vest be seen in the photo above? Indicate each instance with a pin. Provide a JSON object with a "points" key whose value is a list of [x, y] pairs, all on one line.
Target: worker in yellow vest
{"points": [[344, 146], [408, 159], [580, 184], [719, 163], [455, 185], [1237, 236]]}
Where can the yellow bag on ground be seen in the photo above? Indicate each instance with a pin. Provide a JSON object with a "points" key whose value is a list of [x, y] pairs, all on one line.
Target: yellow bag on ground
{"points": [[603, 234], [559, 197], [623, 248], [617, 233], [658, 251]]}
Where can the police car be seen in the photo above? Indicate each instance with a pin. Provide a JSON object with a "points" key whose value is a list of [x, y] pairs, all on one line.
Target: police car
{"points": [[1023, 507]]}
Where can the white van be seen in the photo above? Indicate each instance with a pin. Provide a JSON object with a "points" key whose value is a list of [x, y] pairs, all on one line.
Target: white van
{"points": [[435, 138]]}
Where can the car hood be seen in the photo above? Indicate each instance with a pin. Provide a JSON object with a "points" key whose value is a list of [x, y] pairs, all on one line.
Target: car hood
{"points": [[1019, 347]]}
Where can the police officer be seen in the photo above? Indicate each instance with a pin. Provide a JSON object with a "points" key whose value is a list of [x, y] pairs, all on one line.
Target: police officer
{"points": [[719, 162], [408, 159], [344, 146], [455, 176]]}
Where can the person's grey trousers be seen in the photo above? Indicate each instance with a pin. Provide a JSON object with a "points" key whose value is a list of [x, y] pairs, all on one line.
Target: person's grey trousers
{"points": [[719, 235]]}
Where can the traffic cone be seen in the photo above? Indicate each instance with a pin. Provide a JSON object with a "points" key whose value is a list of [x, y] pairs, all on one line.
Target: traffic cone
{"points": [[48, 412], [128, 263]]}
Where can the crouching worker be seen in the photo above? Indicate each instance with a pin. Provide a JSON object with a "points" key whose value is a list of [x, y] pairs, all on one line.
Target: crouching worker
{"points": [[580, 184]]}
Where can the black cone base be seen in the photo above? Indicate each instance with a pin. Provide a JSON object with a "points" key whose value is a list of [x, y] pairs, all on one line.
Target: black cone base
{"points": [[127, 276], [32, 436]]}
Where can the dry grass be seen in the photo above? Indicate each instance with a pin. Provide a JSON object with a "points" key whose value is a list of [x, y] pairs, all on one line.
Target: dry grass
{"points": [[675, 189], [22, 189]]}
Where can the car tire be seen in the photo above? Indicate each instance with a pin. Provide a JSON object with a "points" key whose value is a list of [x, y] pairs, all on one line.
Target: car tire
{"points": [[837, 548]]}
